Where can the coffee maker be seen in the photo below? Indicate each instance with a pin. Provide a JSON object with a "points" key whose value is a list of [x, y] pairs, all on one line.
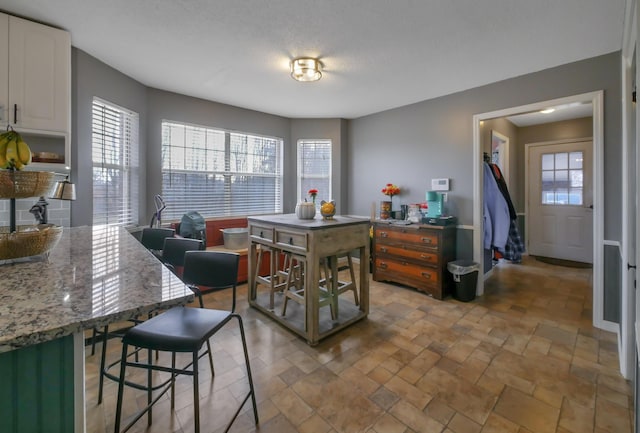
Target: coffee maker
{"points": [[435, 202]]}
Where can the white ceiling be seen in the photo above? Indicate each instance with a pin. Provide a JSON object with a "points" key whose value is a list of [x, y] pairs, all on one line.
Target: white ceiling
{"points": [[378, 54]]}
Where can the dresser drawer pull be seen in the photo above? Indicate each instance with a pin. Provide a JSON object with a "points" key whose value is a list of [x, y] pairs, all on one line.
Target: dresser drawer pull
{"points": [[384, 234], [426, 275], [383, 250], [427, 258], [291, 241], [383, 265], [261, 234], [426, 240]]}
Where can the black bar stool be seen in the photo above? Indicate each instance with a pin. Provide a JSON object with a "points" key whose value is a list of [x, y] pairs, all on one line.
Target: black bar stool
{"points": [[184, 329]]}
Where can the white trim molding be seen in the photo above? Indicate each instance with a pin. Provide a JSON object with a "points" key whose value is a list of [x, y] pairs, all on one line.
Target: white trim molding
{"points": [[596, 99]]}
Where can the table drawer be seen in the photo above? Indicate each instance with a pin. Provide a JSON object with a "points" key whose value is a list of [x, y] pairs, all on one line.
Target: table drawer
{"points": [[291, 239], [417, 272], [418, 237], [422, 257], [261, 233]]}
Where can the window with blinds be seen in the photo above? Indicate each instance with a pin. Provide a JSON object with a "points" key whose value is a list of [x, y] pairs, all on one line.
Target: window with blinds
{"points": [[219, 173], [115, 164], [314, 169]]}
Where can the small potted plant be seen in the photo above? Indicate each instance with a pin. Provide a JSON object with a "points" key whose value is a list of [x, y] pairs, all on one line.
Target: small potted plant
{"points": [[386, 206]]}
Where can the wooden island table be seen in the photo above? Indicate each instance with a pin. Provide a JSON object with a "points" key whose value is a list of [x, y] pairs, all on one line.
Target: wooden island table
{"points": [[311, 241]]}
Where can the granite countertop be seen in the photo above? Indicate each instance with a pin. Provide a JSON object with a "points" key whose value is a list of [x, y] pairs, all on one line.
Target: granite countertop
{"points": [[94, 276]]}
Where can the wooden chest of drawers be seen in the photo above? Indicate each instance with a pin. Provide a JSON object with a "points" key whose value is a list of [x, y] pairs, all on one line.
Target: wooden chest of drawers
{"points": [[415, 255]]}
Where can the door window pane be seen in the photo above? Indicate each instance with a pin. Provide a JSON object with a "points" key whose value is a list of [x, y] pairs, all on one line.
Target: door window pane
{"points": [[559, 185], [562, 160], [575, 160]]}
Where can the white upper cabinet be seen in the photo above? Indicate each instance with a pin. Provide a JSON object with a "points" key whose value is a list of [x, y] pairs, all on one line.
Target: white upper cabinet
{"points": [[35, 76]]}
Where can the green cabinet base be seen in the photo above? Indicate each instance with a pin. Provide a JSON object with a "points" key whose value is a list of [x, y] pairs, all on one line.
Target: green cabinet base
{"points": [[37, 392]]}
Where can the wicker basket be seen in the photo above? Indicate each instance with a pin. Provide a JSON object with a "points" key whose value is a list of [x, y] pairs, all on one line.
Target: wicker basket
{"points": [[24, 184], [28, 240]]}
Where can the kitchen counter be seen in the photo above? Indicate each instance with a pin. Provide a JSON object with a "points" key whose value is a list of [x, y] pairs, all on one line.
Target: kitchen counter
{"points": [[94, 276]]}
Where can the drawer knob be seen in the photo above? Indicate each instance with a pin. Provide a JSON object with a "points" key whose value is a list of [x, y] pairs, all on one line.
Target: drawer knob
{"points": [[426, 240], [426, 275], [383, 265], [290, 241], [384, 234], [261, 234], [383, 250]]}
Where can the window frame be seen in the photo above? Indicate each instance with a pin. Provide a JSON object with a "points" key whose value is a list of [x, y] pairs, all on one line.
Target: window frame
{"points": [[302, 193], [126, 131], [223, 206]]}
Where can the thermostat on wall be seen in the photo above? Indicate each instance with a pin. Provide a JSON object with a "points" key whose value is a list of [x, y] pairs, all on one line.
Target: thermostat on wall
{"points": [[440, 184]]}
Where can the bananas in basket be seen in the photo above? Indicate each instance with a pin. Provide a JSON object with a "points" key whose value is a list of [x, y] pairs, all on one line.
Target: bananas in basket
{"points": [[14, 151]]}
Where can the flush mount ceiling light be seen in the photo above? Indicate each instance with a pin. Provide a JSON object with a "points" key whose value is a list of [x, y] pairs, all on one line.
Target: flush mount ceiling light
{"points": [[306, 69], [548, 110]]}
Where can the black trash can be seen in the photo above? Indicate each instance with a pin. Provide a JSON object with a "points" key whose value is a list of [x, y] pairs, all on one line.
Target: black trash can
{"points": [[465, 275]]}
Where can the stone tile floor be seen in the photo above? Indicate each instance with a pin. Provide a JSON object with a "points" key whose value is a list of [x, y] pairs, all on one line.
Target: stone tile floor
{"points": [[523, 358]]}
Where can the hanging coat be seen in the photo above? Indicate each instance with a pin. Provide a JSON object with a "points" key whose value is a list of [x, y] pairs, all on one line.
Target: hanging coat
{"points": [[496, 213]]}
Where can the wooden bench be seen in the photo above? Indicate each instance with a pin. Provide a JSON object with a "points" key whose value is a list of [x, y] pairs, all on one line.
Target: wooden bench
{"points": [[215, 242]]}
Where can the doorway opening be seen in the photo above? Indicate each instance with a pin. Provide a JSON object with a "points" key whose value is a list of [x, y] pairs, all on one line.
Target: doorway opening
{"points": [[595, 99]]}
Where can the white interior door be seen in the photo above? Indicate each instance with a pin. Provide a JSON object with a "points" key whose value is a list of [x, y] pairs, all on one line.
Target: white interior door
{"points": [[560, 211]]}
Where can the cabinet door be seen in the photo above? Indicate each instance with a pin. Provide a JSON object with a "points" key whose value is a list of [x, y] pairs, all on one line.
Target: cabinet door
{"points": [[39, 76], [4, 68]]}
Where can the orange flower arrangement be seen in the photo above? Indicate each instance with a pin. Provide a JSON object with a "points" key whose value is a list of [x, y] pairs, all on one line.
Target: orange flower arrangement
{"points": [[391, 190]]}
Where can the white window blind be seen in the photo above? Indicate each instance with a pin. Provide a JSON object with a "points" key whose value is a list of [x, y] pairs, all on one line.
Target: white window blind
{"points": [[115, 164], [314, 169], [219, 173]]}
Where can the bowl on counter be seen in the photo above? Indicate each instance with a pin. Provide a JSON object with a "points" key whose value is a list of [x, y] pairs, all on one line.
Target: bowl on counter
{"points": [[28, 240]]}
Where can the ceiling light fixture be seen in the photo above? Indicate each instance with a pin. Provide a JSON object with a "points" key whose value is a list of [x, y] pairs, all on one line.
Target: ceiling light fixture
{"points": [[306, 69], [548, 110]]}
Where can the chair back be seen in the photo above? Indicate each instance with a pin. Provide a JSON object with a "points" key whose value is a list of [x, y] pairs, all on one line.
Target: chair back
{"points": [[153, 238], [212, 269], [175, 248]]}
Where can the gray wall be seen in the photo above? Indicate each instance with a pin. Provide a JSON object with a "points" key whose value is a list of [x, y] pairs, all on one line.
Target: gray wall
{"points": [[612, 283], [90, 78], [411, 145]]}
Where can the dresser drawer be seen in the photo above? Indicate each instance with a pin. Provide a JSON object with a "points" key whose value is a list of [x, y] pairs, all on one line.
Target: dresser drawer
{"points": [[416, 272], [422, 257], [417, 237], [261, 233], [286, 238]]}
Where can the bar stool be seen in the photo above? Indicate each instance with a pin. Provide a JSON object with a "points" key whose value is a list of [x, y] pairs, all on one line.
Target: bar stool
{"points": [[185, 330], [173, 252], [294, 287], [276, 278], [341, 286], [153, 239]]}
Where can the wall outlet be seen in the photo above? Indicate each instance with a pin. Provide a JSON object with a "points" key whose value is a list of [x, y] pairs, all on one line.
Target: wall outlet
{"points": [[445, 196]]}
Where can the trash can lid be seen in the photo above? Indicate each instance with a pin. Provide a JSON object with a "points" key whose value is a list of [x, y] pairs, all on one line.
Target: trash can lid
{"points": [[462, 267]]}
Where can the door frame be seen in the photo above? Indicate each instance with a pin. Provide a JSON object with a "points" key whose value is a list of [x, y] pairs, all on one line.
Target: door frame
{"points": [[527, 149], [628, 314], [597, 101]]}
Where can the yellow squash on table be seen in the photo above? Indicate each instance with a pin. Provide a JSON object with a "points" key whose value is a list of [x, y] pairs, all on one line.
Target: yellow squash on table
{"points": [[14, 151]]}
